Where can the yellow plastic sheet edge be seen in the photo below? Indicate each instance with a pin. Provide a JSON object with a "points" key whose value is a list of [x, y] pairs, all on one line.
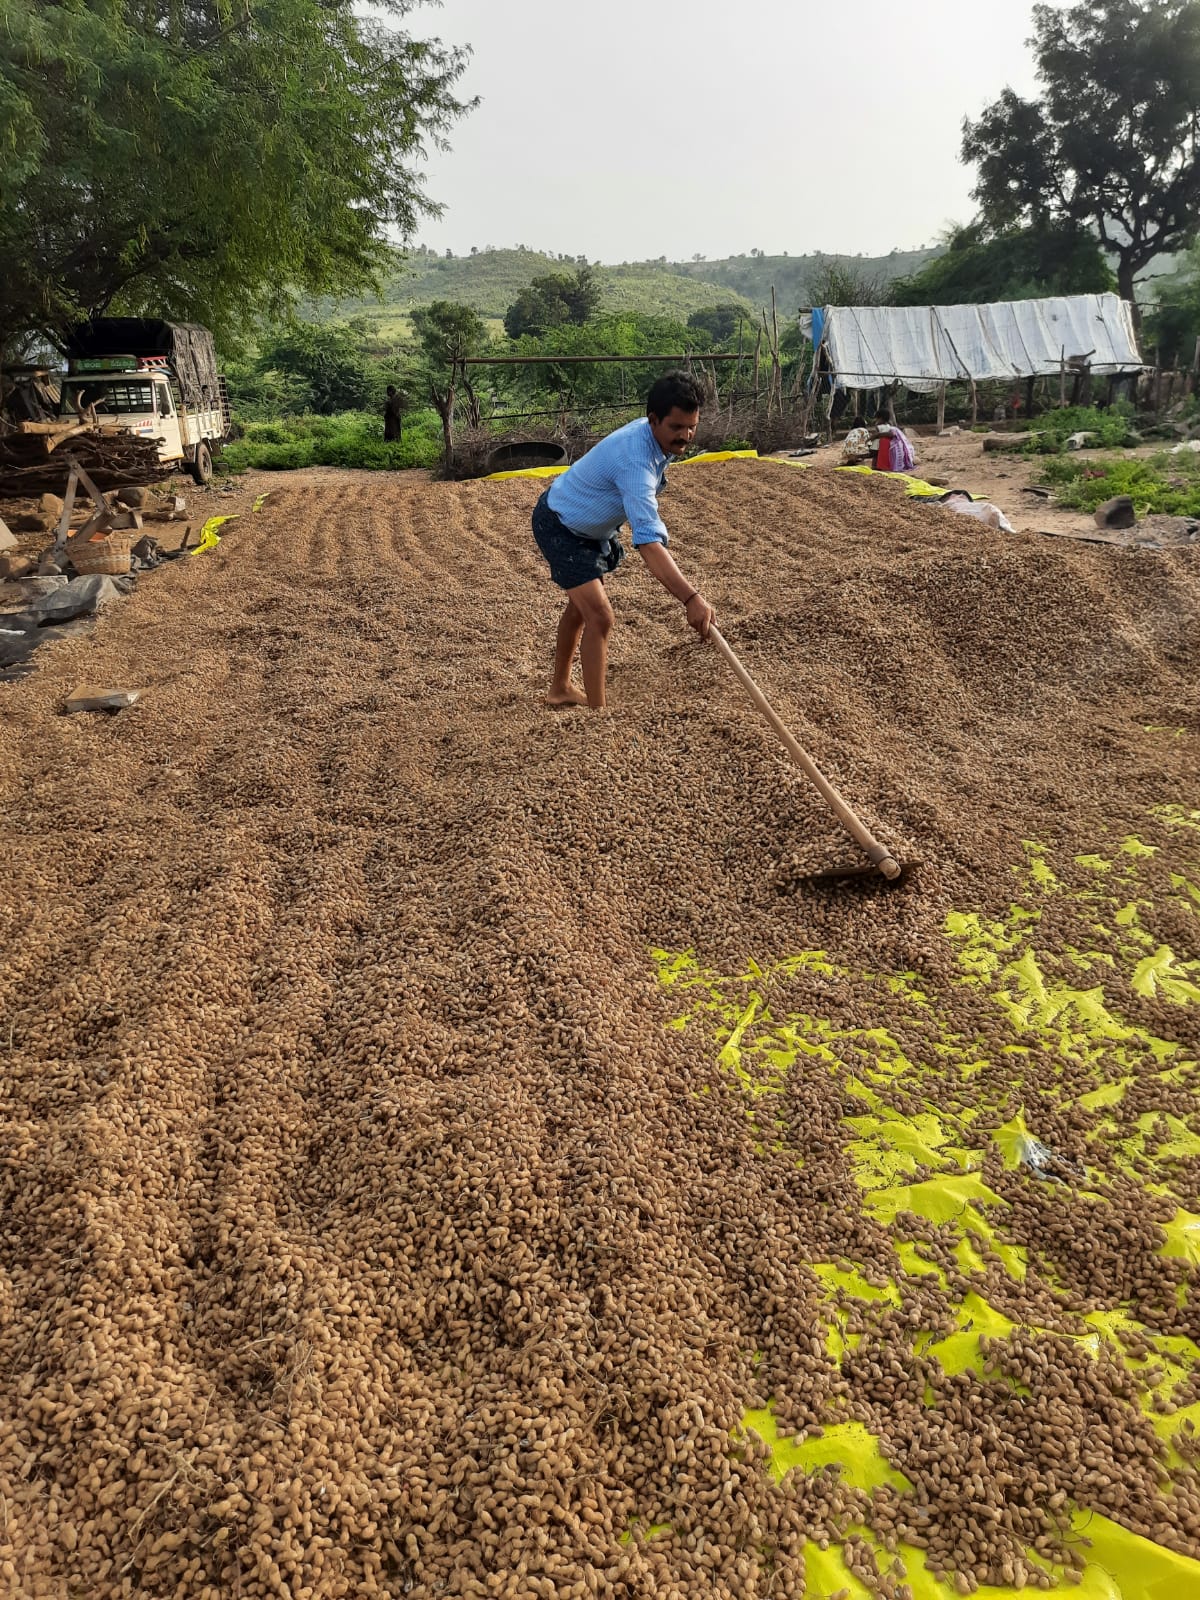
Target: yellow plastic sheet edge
{"points": [[209, 537], [917, 488], [525, 472], [692, 461]]}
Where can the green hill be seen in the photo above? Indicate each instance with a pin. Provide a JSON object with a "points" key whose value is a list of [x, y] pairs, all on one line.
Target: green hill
{"points": [[491, 280], [796, 278]]}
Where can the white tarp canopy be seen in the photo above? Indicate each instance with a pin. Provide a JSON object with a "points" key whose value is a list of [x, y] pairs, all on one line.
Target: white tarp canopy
{"points": [[921, 347]]}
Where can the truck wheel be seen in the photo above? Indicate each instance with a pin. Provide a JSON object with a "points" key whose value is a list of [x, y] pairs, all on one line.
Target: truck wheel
{"points": [[201, 465]]}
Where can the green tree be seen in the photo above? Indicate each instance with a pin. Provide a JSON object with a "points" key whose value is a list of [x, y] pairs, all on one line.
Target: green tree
{"points": [[205, 162], [834, 282], [582, 295], [1173, 324], [553, 301], [720, 323], [630, 335], [330, 362], [447, 333], [1022, 264], [1112, 140]]}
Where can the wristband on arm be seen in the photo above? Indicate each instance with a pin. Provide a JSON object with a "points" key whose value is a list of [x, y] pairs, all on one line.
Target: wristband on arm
{"points": [[690, 598]]}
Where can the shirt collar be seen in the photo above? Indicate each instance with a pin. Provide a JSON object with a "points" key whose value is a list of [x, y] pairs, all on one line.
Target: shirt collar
{"points": [[657, 454]]}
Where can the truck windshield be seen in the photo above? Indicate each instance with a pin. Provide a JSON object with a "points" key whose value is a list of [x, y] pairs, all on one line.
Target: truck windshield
{"points": [[120, 398]]}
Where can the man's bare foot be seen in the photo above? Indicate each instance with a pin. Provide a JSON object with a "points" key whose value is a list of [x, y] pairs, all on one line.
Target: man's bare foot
{"points": [[560, 699]]}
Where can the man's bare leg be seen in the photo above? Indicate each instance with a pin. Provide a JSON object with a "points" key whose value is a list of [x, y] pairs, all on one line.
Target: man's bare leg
{"points": [[562, 691], [591, 602]]}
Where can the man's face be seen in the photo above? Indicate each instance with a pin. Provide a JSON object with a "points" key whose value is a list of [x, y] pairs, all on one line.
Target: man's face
{"points": [[675, 431]]}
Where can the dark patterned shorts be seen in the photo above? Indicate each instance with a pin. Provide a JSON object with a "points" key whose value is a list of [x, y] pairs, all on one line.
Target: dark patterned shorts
{"points": [[573, 561]]}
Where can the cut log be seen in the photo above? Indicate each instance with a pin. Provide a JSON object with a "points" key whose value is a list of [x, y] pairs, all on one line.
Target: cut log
{"points": [[1006, 442]]}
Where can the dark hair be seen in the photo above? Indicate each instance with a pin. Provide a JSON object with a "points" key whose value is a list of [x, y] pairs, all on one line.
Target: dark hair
{"points": [[859, 422], [883, 413], [671, 390], [391, 388]]}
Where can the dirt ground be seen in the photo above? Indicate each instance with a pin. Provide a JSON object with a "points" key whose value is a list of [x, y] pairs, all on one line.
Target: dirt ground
{"points": [[960, 461], [448, 1149]]}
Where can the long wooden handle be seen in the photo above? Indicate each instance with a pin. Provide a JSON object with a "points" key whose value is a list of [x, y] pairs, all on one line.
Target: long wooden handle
{"points": [[854, 826]]}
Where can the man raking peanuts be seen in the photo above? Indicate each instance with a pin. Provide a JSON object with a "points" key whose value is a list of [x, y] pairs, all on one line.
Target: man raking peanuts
{"points": [[575, 524]]}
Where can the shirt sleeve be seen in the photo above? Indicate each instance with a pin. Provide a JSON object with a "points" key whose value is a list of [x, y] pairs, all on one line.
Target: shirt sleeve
{"points": [[638, 488]]}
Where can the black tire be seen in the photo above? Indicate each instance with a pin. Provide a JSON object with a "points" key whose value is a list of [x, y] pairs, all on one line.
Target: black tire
{"points": [[201, 467]]}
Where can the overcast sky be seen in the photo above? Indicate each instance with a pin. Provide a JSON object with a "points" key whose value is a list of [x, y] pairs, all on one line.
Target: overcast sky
{"points": [[628, 129]]}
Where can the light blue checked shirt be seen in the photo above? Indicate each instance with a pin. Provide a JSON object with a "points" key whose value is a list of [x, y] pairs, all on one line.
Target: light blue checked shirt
{"points": [[617, 481]]}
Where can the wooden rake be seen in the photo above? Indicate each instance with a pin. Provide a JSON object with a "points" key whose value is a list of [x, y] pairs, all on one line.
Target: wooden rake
{"points": [[879, 857]]}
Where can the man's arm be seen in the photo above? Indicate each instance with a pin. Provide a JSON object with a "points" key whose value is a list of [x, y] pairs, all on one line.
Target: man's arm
{"points": [[661, 563], [638, 489]]}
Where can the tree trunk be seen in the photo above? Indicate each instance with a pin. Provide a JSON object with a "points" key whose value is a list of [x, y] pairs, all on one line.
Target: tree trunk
{"points": [[1127, 290], [474, 414], [444, 404]]}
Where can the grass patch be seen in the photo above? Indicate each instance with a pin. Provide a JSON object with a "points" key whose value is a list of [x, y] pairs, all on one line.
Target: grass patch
{"points": [[1112, 428], [349, 439], [1161, 483]]}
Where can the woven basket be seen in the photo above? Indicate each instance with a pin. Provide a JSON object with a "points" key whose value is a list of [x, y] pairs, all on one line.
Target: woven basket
{"points": [[109, 553]]}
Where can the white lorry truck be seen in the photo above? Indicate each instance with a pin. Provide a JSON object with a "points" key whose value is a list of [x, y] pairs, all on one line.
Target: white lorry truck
{"points": [[158, 380]]}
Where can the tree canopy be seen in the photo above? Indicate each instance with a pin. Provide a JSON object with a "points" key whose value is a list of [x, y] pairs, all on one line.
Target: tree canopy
{"points": [[554, 300], [833, 281], [629, 334], [315, 368], [446, 334], [197, 162], [721, 322], [1021, 264], [1173, 325], [1112, 140]]}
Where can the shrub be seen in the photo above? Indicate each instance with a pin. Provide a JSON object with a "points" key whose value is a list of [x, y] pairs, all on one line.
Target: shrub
{"points": [[347, 439], [1112, 429], [1160, 483]]}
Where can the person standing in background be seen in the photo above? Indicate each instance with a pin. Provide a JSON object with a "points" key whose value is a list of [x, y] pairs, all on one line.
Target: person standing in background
{"points": [[393, 412]]}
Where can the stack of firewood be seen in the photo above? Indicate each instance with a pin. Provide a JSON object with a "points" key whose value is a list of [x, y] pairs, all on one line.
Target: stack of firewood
{"points": [[34, 459]]}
